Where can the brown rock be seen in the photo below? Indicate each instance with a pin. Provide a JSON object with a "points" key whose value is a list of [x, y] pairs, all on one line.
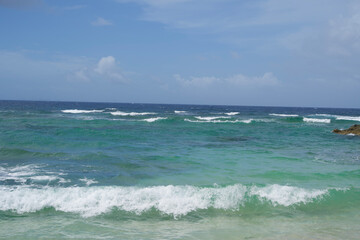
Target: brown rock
{"points": [[354, 129]]}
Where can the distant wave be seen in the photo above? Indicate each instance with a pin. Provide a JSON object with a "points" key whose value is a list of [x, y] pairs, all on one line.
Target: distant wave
{"points": [[228, 121], [283, 115], [153, 119], [340, 117], [232, 113], [81, 111], [348, 118], [180, 112], [316, 120], [210, 118], [120, 113], [171, 200]]}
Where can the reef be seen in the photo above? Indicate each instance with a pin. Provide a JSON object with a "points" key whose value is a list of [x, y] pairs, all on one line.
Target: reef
{"points": [[354, 129]]}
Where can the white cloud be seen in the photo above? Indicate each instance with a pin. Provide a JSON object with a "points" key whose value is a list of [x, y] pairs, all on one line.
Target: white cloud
{"points": [[268, 79], [105, 64], [101, 22], [106, 69]]}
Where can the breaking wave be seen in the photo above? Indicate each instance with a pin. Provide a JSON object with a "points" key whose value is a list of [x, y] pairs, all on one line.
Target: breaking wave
{"points": [[283, 115], [120, 113], [170, 200], [153, 119], [340, 117], [180, 112], [81, 111], [316, 120], [232, 113]]}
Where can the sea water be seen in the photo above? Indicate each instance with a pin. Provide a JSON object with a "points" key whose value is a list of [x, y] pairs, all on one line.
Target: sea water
{"points": [[73, 170]]}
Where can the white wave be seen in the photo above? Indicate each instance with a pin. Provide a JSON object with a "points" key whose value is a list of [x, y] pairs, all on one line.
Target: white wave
{"points": [[81, 111], [286, 195], [172, 200], [153, 119], [213, 121], [283, 115], [21, 174], [87, 181], [210, 118], [317, 120], [340, 117], [120, 113], [229, 121], [349, 118], [351, 134], [180, 112], [324, 115], [247, 120], [232, 113], [44, 178]]}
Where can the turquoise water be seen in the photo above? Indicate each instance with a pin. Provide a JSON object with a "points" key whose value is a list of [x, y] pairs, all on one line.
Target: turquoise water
{"points": [[146, 171]]}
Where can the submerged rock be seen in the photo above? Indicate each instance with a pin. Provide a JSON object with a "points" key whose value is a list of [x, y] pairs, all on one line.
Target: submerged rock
{"points": [[354, 129]]}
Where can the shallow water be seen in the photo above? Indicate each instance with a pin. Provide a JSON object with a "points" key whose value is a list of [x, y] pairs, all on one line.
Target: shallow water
{"points": [[146, 171]]}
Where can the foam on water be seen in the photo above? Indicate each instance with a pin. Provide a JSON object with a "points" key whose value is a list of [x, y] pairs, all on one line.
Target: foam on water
{"points": [[180, 112], [232, 113], [153, 119], [348, 118], [81, 111], [340, 117], [283, 115], [210, 118], [87, 181], [171, 200], [317, 120], [212, 121], [247, 121], [21, 174], [120, 113]]}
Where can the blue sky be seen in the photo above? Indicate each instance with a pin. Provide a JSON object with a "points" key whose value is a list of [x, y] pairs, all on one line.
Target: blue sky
{"points": [[251, 52]]}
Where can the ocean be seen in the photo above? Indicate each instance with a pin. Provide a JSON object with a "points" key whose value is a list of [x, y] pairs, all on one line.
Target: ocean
{"points": [[71, 170]]}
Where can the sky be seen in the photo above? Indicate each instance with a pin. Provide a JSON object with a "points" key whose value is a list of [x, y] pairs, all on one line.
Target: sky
{"points": [[224, 52]]}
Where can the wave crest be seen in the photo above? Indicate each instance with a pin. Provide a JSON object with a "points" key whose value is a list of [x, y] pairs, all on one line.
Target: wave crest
{"points": [[171, 200]]}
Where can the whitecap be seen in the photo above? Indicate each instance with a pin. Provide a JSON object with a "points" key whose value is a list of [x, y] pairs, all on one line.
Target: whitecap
{"points": [[120, 113], [317, 120], [171, 200], [210, 118], [283, 115], [21, 174], [348, 118], [180, 112], [81, 111], [341, 117], [153, 119], [232, 113], [88, 182]]}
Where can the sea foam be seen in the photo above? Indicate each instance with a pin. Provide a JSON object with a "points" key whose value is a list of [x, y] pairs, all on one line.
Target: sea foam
{"points": [[81, 111], [180, 112], [171, 200], [24, 173], [340, 117], [283, 115], [210, 118], [317, 120], [153, 119], [232, 113], [120, 113]]}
